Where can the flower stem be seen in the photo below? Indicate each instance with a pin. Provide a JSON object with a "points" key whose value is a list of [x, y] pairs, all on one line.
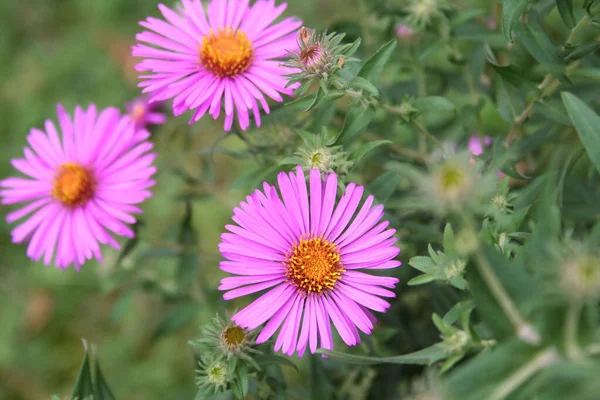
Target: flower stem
{"points": [[543, 360], [523, 330], [426, 133], [571, 329]]}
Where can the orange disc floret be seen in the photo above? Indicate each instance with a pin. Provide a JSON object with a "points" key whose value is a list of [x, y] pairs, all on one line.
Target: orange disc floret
{"points": [[74, 185], [314, 265], [227, 53]]}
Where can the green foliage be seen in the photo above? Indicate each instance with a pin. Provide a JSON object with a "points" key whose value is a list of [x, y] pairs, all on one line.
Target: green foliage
{"points": [[469, 124]]}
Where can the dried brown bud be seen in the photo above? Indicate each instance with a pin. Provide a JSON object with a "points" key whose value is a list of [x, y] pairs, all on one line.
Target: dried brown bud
{"points": [[304, 35], [341, 62]]}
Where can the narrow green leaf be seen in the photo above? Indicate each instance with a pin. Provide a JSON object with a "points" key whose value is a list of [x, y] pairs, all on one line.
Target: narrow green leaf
{"points": [[384, 186], [241, 374], [565, 9], [508, 100], [84, 386], [422, 279], [449, 240], [587, 123], [553, 110], [581, 51], [102, 390], [361, 83], [511, 12], [537, 42], [357, 119], [422, 263], [373, 67], [515, 75], [434, 104], [427, 356], [319, 96], [571, 161], [365, 149]]}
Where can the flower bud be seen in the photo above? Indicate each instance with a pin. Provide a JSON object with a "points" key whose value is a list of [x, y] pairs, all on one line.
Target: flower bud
{"points": [[580, 277]]}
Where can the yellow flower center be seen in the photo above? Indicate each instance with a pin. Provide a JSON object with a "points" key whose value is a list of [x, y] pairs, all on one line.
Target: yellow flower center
{"points": [[74, 185], [226, 54], [234, 335], [314, 265]]}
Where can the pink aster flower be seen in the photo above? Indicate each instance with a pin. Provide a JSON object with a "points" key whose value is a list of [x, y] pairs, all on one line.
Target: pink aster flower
{"points": [[307, 252], [226, 58], [81, 187], [144, 113], [476, 145], [404, 32]]}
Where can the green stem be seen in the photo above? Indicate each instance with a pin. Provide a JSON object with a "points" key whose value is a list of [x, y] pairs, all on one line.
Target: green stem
{"points": [[571, 331], [523, 330], [426, 133], [593, 349], [543, 360]]}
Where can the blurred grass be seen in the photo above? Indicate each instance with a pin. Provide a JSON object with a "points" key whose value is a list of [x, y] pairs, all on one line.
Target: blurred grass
{"points": [[78, 52]]}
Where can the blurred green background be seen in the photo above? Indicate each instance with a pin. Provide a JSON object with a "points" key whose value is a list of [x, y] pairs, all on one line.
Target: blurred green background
{"points": [[78, 52]]}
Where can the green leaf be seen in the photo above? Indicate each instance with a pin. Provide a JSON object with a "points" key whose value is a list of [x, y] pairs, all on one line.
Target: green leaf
{"points": [[553, 110], [571, 161], [373, 67], [384, 186], [434, 104], [84, 386], [537, 43], [357, 119], [587, 123], [318, 97], [565, 8], [581, 51], [422, 263], [101, 388], [449, 240], [508, 100], [427, 356], [516, 280], [365, 149], [511, 12], [241, 374], [361, 83], [515, 75], [422, 279]]}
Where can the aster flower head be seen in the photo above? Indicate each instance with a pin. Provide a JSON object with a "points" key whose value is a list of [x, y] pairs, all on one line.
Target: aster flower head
{"points": [[79, 188], [477, 144], [404, 32], [222, 56], [579, 276], [306, 250], [315, 153], [144, 113], [228, 341], [455, 184], [319, 56], [422, 13], [213, 376]]}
